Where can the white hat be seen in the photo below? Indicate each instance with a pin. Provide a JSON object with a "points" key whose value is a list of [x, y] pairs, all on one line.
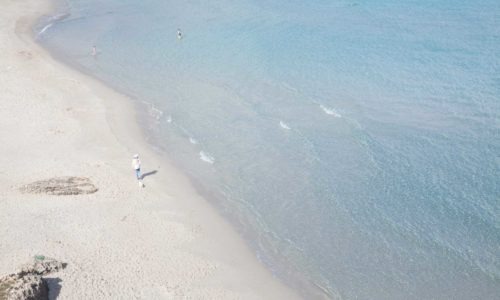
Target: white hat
{"points": [[136, 155]]}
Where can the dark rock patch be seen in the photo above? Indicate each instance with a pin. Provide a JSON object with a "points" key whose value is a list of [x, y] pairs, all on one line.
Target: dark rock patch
{"points": [[28, 287], [28, 283], [68, 185]]}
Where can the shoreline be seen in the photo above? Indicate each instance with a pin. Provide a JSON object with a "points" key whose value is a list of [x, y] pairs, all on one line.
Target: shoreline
{"points": [[94, 135], [279, 267]]}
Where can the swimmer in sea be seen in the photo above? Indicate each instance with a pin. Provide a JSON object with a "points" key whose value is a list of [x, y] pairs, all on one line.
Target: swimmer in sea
{"points": [[179, 34]]}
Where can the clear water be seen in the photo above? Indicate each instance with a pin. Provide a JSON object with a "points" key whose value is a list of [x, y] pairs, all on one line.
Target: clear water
{"points": [[355, 144]]}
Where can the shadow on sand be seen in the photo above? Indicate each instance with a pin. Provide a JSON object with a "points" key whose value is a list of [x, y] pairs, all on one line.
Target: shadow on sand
{"points": [[54, 285], [148, 174]]}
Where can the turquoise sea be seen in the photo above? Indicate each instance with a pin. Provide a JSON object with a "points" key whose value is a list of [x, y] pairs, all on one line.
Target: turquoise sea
{"points": [[354, 144]]}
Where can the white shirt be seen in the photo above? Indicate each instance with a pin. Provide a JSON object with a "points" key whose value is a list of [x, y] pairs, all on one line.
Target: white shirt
{"points": [[136, 164]]}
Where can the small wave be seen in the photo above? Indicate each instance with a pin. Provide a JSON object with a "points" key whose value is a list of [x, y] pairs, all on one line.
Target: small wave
{"points": [[206, 157], [193, 141], [330, 111], [289, 87], [284, 125], [156, 113], [50, 21], [45, 28], [60, 16]]}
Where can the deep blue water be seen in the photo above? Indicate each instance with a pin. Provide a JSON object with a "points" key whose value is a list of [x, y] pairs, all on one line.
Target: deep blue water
{"points": [[356, 145]]}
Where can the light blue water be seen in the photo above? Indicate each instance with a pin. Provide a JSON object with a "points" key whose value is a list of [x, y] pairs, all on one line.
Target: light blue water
{"points": [[356, 145]]}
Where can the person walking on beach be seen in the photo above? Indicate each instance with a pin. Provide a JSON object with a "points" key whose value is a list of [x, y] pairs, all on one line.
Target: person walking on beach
{"points": [[94, 50], [136, 165], [179, 33]]}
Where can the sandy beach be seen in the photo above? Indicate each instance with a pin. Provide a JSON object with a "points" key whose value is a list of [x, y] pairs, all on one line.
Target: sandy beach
{"points": [[163, 241]]}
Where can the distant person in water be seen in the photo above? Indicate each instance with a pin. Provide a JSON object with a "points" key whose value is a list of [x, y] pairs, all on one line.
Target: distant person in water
{"points": [[179, 34], [94, 50], [136, 165]]}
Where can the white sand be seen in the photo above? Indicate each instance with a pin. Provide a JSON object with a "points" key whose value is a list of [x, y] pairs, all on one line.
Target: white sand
{"points": [[123, 242]]}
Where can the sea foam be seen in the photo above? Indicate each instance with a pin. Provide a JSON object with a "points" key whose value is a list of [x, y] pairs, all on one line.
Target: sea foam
{"points": [[284, 125], [45, 28], [206, 157], [330, 111]]}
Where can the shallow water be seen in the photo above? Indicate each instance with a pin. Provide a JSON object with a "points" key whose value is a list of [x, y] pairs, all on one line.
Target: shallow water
{"points": [[355, 144]]}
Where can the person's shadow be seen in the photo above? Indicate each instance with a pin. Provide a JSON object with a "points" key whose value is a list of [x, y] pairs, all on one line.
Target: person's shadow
{"points": [[148, 174]]}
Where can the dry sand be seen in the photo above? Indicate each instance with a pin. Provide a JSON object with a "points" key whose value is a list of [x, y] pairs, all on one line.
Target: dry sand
{"points": [[163, 241]]}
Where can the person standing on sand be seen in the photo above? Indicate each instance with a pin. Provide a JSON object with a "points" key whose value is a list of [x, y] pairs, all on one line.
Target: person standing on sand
{"points": [[179, 33], [136, 165]]}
